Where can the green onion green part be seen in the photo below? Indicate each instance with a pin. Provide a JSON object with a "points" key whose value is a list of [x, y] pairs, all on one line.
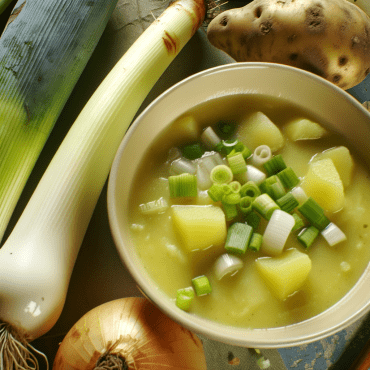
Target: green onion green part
{"points": [[235, 186], [287, 202], [256, 242], [250, 189], [184, 185], [264, 205], [238, 238], [241, 148], [237, 163], [275, 165], [313, 212], [230, 210], [192, 151], [221, 174], [232, 198], [245, 204], [225, 129], [253, 219], [299, 223], [288, 178], [184, 298], [308, 236], [201, 285], [216, 192], [273, 187]]}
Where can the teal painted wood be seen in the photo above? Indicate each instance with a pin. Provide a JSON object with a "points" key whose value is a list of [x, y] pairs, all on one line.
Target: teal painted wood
{"points": [[43, 51]]}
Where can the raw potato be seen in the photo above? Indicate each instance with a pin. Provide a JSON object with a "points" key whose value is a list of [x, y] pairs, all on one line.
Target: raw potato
{"points": [[258, 130], [330, 38], [199, 227], [285, 274]]}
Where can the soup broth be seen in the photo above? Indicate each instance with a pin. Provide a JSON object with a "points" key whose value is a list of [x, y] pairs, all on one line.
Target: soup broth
{"points": [[244, 299]]}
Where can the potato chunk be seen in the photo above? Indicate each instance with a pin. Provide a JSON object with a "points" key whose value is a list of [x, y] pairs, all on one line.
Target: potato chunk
{"points": [[327, 37], [285, 274], [304, 129], [342, 160], [257, 129], [199, 227], [322, 182]]}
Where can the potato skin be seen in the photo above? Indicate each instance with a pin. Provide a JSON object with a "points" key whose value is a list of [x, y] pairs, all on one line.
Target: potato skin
{"points": [[330, 38]]}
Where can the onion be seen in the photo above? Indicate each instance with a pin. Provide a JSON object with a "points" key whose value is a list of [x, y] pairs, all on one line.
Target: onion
{"points": [[129, 333]]}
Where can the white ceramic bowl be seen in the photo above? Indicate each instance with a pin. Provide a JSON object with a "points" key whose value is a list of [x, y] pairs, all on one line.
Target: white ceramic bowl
{"points": [[299, 87]]}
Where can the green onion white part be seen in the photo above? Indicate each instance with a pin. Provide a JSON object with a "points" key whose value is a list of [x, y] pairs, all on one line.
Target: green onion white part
{"points": [[203, 176], [299, 194], [254, 174], [182, 165], [261, 155], [276, 233], [227, 264], [154, 207], [209, 138], [37, 260], [333, 234]]}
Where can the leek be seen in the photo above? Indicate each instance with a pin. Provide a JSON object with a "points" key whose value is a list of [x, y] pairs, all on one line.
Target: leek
{"points": [[39, 255], [41, 60]]}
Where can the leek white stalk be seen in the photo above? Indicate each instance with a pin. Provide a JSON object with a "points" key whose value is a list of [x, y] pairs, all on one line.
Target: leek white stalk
{"points": [[37, 260]]}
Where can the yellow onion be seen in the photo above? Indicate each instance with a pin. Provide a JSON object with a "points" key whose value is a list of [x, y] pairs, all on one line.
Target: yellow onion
{"points": [[129, 333]]}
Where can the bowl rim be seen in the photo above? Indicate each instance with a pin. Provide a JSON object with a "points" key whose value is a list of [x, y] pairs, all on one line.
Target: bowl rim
{"points": [[185, 319]]}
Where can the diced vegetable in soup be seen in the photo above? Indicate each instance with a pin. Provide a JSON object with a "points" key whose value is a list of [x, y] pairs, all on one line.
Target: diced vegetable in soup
{"points": [[249, 212]]}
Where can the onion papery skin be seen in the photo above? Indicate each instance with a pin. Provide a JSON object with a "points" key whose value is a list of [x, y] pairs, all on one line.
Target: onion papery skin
{"points": [[136, 330]]}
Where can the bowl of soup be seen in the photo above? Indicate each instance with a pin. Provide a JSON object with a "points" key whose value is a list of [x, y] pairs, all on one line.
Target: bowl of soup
{"points": [[238, 200]]}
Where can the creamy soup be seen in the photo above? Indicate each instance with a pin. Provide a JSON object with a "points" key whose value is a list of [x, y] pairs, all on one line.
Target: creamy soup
{"points": [[244, 298]]}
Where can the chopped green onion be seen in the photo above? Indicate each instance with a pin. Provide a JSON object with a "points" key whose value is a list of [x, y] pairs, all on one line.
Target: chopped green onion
{"points": [[255, 175], [311, 210], [182, 165], [299, 223], [273, 187], [238, 237], [333, 234], [227, 264], [156, 206], [263, 363], [274, 165], [225, 129], [250, 189], [221, 174], [230, 210], [235, 186], [203, 179], [287, 202], [308, 236], [277, 231], [253, 219], [299, 194], [245, 204], [184, 185], [201, 285], [216, 192], [209, 138], [192, 151], [288, 177], [261, 155], [184, 298], [237, 163], [239, 147], [264, 205], [256, 242], [231, 198]]}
